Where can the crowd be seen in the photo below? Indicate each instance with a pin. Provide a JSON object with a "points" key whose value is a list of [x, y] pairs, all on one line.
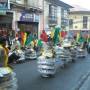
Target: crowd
{"points": [[30, 40]]}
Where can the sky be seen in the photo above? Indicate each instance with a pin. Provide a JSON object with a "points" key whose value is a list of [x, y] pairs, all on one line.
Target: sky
{"points": [[82, 3]]}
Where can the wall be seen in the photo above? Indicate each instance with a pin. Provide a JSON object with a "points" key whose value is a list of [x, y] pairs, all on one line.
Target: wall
{"points": [[34, 3], [46, 15], [78, 21], [59, 16]]}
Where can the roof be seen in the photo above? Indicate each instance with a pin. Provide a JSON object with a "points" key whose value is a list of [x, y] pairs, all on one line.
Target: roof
{"points": [[80, 12], [78, 8], [60, 3]]}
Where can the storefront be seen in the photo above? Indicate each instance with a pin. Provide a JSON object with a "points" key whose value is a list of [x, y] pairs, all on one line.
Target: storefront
{"points": [[28, 23], [6, 18], [6, 23]]}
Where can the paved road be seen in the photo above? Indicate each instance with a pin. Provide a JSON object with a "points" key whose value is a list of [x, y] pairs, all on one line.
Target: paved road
{"points": [[65, 79]]}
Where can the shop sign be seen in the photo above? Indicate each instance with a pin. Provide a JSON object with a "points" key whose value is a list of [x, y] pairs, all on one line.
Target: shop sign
{"points": [[4, 4], [27, 17]]}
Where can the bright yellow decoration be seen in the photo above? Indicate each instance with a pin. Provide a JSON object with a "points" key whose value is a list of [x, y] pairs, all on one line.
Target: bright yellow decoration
{"points": [[32, 44], [5, 62], [78, 36], [52, 34], [25, 37]]}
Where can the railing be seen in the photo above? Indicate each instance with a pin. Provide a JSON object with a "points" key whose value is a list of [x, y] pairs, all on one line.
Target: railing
{"points": [[52, 19], [27, 4]]}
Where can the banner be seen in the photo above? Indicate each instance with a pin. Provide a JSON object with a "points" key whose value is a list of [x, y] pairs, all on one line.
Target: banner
{"points": [[29, 17]]}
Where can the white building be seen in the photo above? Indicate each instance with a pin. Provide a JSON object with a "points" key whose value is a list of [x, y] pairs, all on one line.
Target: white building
{"points": [[55, 13], [79, 21]]}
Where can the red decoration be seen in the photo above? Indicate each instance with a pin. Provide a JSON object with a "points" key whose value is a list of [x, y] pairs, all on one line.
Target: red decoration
{"points": [[44, 36], [63, 33]]}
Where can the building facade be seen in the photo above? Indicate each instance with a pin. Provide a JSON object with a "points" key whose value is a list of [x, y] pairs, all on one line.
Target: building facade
{"points": [[56, 13], [22, 15], [33, 16], [79, 21]]}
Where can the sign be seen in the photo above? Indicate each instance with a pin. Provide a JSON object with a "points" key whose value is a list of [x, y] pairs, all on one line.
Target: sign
{"points": [[27, 17], [4, 4]]}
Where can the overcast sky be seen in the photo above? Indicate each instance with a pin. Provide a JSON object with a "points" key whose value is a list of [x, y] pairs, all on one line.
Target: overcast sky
{"points": [[82, 3]]}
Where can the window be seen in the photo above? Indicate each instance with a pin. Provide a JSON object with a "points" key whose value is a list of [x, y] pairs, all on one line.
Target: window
{"points": [[85, 20], [71, 23], [53, 12], [64, 13]]}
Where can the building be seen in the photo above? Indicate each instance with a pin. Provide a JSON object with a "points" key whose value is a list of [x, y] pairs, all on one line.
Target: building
{"points": [[21, 15], [79, 21], [56, 13], [33, 16]]}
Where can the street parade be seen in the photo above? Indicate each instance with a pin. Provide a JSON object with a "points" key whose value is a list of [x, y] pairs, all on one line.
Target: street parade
{"points": [[44, 45], [50, 51]]}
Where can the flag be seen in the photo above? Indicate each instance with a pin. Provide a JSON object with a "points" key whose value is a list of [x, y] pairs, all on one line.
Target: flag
{"points": [[77, 37], [63, 34], [60, 37], [23, 38], [56, 35], [29, 39], [81, 39], [52, 32], [32, 44], [44, 36], [88, 39], [39, 43]]}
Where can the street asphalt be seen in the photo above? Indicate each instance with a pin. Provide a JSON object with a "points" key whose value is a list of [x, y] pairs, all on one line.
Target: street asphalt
{"points": [[72, 77]]}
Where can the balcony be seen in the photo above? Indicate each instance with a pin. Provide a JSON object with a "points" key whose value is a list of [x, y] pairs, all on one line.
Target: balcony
{"points": [[64, 21], [52, 20], [26, 6]]}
